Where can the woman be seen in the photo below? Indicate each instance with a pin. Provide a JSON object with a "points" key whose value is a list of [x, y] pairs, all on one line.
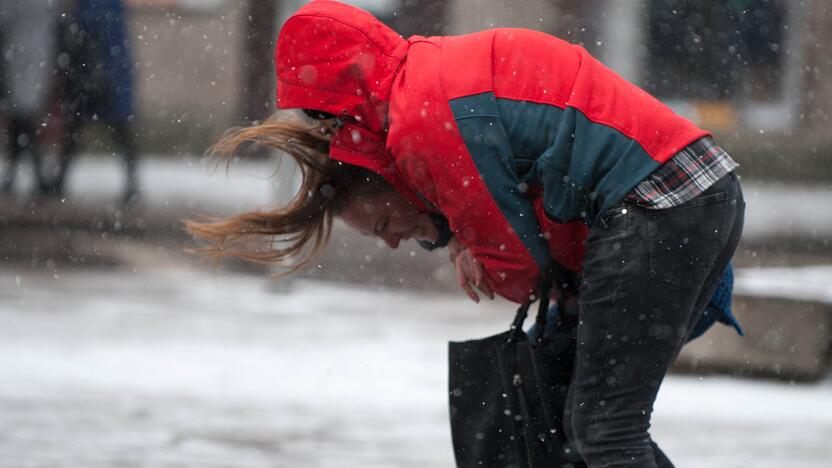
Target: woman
{"points": [[26, 44], [526, 146], [95, 83]]}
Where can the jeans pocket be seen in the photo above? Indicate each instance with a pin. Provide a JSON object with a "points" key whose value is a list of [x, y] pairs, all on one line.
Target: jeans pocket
{"points": [[615, 213], [685, 240], [702, 200]]}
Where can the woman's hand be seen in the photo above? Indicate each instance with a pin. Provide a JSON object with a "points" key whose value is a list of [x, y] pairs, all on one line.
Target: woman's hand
{"points": [[469, 272]]}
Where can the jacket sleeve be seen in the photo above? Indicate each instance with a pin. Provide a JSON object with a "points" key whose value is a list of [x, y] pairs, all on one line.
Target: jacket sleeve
{"points": [[467, 170], [449, 144], [508, 239]]}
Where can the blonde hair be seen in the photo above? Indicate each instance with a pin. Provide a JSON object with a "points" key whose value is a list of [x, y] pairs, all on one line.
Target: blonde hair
{"points": [[300, 230]]}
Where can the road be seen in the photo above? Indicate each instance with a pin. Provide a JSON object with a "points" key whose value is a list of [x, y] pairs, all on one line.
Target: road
{"points": [[179, 367]]}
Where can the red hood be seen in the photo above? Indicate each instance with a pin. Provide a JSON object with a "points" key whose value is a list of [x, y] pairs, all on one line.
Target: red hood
{"points": [[340, 59]]}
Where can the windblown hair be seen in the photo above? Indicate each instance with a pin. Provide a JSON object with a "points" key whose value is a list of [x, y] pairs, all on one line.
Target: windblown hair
{"points": [[296, 233]]}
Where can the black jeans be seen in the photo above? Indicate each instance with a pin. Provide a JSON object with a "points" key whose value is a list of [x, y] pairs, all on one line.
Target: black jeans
{"points": [[648, 275]]}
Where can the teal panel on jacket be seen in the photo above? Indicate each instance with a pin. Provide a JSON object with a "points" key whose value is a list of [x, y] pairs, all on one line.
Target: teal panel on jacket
{"points": [[477, 118], [583, 166], [528, 142]]}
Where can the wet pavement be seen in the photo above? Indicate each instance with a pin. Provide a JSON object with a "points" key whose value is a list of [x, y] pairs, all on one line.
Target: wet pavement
{"points": [[178, 367]]}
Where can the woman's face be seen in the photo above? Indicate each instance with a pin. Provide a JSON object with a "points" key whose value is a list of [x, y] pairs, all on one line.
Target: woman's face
{"points": [[388, 216]]}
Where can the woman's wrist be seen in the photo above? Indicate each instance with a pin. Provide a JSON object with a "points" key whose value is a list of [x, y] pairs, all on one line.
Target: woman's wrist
{"points": [[454, 248]]}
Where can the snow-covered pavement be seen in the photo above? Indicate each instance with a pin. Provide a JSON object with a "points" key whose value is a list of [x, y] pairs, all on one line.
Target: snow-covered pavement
{"points": [[174, 367], [173, 182]]}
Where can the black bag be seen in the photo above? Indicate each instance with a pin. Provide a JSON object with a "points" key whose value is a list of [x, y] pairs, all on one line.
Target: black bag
{"points": [[507, 394]]}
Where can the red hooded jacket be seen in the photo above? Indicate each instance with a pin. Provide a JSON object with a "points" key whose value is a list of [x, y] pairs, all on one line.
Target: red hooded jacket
{"points": [[519, 139]]}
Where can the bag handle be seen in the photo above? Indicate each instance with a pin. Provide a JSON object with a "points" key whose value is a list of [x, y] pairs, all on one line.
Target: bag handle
{"points": [[566, 283], [523, 311], [543, 313], [517, 323]]}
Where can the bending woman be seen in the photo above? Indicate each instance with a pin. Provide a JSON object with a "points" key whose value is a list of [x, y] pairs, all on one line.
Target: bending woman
{"points": [[516, 148]]}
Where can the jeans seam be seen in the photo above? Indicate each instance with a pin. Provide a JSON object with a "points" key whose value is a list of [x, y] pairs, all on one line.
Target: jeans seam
{"points": [[604, 346]]}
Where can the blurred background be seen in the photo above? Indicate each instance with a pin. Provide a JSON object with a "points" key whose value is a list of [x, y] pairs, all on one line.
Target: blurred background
{"points": [[117, 348]]}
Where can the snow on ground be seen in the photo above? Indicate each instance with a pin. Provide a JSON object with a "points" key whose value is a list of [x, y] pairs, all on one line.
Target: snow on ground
{"points": [[773, 209], [164, 368], [777, 209], [812, 283], [172, 182]]}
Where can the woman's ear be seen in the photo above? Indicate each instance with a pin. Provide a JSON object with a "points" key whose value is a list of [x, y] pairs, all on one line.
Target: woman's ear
{"points": [[330, 126]]}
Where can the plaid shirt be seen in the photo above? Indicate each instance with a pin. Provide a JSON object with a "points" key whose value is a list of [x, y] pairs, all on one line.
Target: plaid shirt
{"points": [[684, 176]]}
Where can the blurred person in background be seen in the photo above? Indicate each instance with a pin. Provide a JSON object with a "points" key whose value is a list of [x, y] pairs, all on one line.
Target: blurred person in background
{"points": [[27, 43], [512, 148], [94, 83]]}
